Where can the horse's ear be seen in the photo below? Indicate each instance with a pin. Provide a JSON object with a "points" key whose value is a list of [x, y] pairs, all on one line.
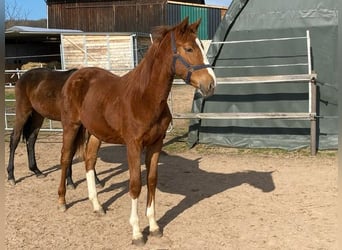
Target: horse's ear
{"points": [[184, 24], [194, 26]]}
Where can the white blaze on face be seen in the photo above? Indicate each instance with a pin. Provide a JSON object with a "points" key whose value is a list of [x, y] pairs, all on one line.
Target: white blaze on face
{"points": [[205, 60]]}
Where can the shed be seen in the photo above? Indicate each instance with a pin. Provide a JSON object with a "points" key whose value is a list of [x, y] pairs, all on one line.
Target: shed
{"points": [[116, 52], [26, 44], [31, 44], [246, 44]]}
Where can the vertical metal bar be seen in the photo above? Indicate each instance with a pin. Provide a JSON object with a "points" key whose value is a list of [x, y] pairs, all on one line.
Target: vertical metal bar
{"points": [[313, 118], [131, 51], [312, 99], [62, 52], [109, 66], [85, 50], [135, 50], [6, 122], [308, 47]]}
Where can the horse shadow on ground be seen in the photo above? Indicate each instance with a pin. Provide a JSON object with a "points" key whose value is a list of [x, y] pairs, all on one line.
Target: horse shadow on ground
{"points": [[176, 175], [181, 176]]}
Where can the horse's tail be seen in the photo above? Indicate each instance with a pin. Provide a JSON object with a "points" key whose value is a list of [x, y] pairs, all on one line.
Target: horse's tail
{"points": [[80, 141], [27, 129]]}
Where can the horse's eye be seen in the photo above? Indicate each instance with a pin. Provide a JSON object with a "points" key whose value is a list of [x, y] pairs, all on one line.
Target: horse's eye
{"points": [[188, 49]]}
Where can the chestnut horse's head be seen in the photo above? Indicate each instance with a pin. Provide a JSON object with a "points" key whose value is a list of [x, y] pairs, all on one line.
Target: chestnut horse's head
{"points": [[189, 59]]}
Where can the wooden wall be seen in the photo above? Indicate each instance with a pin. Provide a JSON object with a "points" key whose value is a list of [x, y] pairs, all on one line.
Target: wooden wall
{"points": [[129, 15], [106, 16], [118, 53]]}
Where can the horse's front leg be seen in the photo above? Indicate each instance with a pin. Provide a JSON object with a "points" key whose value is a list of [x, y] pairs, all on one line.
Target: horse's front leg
{"points": [[133, 156], [151, 161], [90, 156]]}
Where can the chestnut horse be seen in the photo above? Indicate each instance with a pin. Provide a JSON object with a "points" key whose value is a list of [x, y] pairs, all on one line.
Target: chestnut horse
{"points": [[38, 95], [131, 110]]}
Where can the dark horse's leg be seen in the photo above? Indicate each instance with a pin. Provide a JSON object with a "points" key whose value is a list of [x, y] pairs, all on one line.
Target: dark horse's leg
{"points": [[14, 140], [30, 133], [99, 183], [23, 113], [70, 182]]}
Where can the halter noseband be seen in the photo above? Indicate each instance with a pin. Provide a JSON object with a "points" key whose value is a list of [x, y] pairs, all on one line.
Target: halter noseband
{"points": [[190, 68]]}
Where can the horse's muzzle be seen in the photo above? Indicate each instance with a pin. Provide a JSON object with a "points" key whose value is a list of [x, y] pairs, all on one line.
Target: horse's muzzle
{"points": [[207, 89]]}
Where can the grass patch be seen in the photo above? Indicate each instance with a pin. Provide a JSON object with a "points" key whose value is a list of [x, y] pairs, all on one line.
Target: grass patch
{"points": [[176, 141], [9, 94]]}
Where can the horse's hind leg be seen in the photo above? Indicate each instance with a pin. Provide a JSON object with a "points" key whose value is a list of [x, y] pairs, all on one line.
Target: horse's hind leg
{"points": [[30, 132], [20, 120], [14, 140], [151, 161], [90, 156], [72, 185], [68, 151]]}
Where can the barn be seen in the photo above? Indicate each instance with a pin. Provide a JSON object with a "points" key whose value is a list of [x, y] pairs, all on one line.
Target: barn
{"points": [[131, 15], [256, 39]]}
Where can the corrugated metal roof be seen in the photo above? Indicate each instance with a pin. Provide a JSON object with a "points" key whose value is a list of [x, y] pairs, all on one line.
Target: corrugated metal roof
{"points": [[36, 30]]}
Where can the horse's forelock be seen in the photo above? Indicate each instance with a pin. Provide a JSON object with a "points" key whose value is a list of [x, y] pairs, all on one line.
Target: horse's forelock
{"points": [[159, 32]]}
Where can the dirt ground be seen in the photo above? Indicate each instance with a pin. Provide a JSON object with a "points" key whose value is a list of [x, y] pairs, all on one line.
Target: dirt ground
{"points": [[207, 198]]}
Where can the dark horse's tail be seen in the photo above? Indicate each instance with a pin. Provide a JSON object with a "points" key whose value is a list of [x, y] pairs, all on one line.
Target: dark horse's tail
{"points": [[80, 140], [32, 126], [27, 129]]}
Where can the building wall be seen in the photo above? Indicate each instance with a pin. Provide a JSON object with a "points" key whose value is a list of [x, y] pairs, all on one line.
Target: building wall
{"points": [[210, 17], [106, 16], [129, 15]]}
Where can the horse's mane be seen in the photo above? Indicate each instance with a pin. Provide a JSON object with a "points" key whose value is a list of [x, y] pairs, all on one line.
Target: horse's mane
{"points": [[141, 74], [159, 32]]}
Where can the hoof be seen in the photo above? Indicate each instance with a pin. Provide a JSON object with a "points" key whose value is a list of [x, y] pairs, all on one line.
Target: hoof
{"points": [[138, 242], [41, 176], [38, 173], [156, 233], [100, 212], [99, 185], [71, 186], [11, 182], [62, 207]]}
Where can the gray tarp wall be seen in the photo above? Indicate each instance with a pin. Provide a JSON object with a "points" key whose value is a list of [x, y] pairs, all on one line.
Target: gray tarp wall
{"points": [[259, 19]]}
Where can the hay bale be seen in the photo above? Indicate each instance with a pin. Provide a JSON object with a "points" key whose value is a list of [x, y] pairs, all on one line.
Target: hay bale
{"points": [[32, 65]]}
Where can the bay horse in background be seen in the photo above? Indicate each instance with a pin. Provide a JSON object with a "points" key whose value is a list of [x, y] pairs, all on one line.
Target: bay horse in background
{"points": [[131, 110], [38, 95]]}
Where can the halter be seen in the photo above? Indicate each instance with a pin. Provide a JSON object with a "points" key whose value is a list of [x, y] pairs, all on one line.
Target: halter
{"points": [[190, 68]]}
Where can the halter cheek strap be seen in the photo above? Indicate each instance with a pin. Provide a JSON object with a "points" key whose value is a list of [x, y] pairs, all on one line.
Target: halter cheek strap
{"points": [[190, 68]]}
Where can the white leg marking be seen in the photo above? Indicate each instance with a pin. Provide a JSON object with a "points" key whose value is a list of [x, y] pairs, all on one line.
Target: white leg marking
{"points": [[205, 61], [90, 175], [150, 213], [134, 220]]}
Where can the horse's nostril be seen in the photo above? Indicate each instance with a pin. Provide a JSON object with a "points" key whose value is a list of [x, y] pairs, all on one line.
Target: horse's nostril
{"points": [[212, 85]]}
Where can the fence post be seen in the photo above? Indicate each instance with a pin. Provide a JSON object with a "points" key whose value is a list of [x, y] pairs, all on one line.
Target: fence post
{"points": [[313, 118]]}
